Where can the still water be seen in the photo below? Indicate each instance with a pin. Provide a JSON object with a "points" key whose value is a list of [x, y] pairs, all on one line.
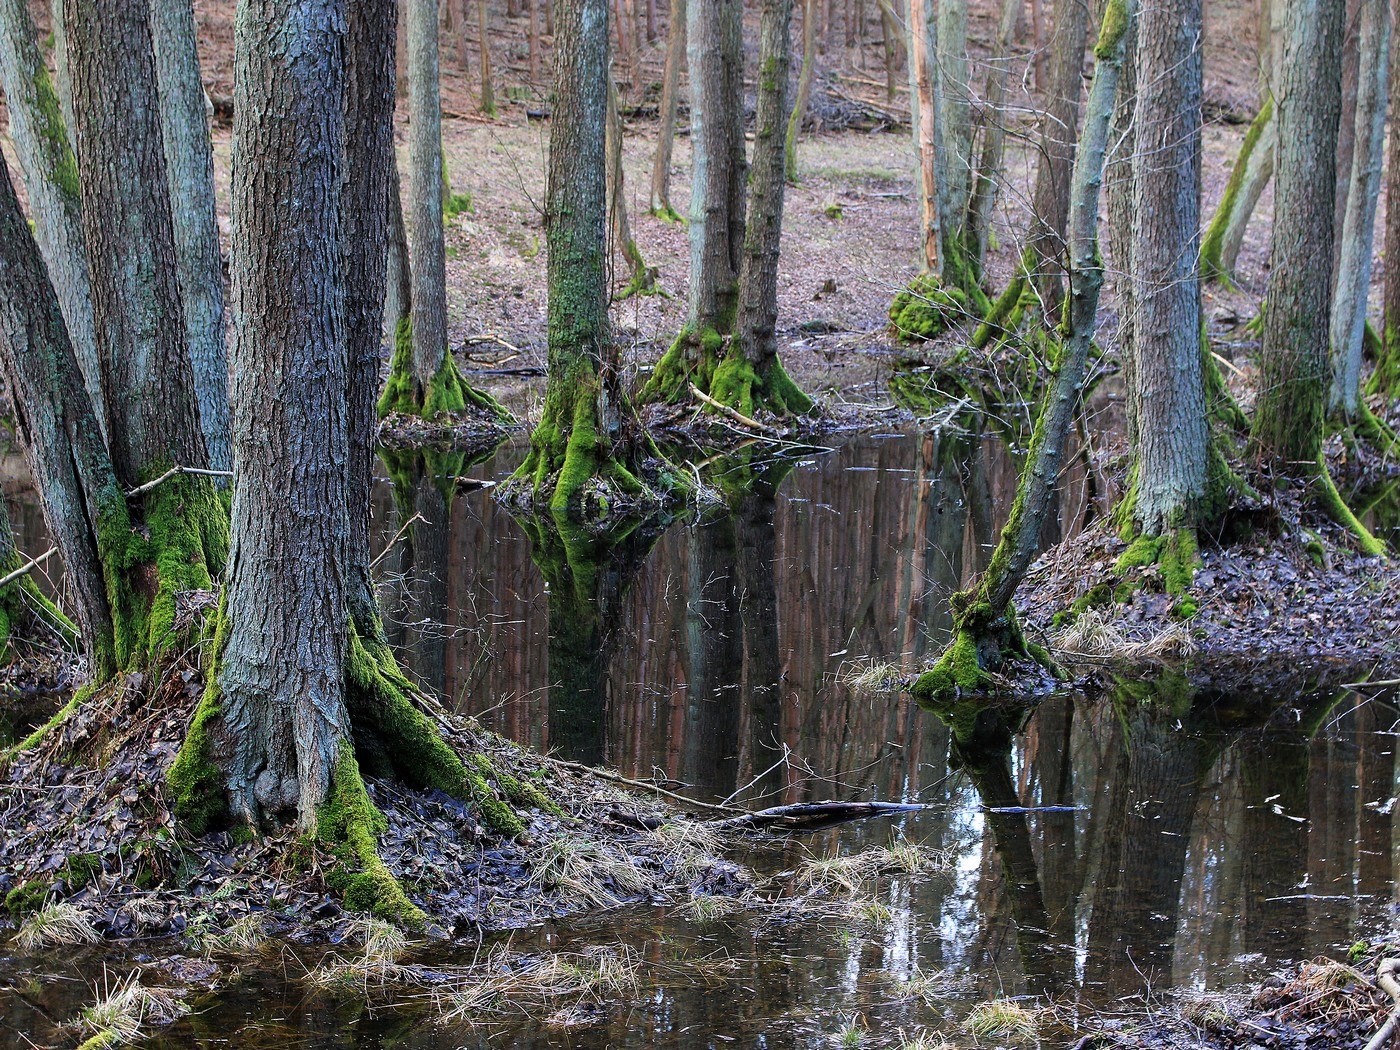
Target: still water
{"points": [[1209, 843]]}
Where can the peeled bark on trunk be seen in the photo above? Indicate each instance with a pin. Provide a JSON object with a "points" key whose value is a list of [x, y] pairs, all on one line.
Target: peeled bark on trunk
{"points": [[751, 376], [643, 279], [1051, 198], [923, 106], [587, 438], [189, 161], [666, 134], [423, 376], [718, 183], [41, 139], [804, 87], [1348, 326], [1254, 167], [281, 674], [1288, 422], [985, 632]]}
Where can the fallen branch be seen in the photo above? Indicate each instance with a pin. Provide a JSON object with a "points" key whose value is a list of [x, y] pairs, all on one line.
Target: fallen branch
{"points": [[173, 472], [733, 414], [1386, 982], [645, 785], [28, 566], [397, 536]]}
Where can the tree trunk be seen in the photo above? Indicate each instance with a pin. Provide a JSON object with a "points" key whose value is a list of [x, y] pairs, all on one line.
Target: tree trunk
{"points": [[1385, 379], [1348, 325], [534, 41], [994, 117], [1122, 204], [189, 161], [753, 377], [665, 136], [1293, 377], [41, 141], [586, 432], [1254, 167], [459, 21], [281, 673], [985, 627], [924, 108], [804, 87], [1051, 198], [955, 137], [57, 424], [488, 92], [643, 277], [718, 173], [146, 376], [1174, 488], [423, 376]]}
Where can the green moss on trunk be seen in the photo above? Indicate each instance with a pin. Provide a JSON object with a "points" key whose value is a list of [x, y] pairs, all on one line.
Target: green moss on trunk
{"points": [[447, 393], [1212, 244]]}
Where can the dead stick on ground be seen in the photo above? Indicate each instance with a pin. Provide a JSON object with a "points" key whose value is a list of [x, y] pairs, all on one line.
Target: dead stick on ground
{"points": [[737, 416], [1386, 982], [28, 566]]}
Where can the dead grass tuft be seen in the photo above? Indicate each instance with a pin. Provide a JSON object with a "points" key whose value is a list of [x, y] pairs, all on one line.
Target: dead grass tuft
{"points": [[53, 926], [124, 1009]]}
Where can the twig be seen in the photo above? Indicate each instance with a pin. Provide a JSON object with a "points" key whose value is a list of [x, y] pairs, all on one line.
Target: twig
{"points": [[397, 536], [646, 785], [172, 472], [1386, 982], [1384, 683], [737, 416], [31, 564]]}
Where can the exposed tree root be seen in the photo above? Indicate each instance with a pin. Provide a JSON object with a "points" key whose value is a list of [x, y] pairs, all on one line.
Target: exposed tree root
{"points": [[446, 394], [714, 364]]}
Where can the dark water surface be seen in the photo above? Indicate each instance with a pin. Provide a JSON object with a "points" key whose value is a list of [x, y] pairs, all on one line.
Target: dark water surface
{"points": [[1210, 844]]}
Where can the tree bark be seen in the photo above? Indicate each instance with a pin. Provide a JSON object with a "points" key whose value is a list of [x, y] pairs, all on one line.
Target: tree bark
{"points": [[1348, 325], [804, 87], [1173, 430], [1122, 204], [755, 377], [1293, 378], [643, 276], [41, 140], [1050, 202], [955, 134], [924, 108], [488, 92], [189, 162], [147, 380], [1254, 167], [1386, 377], [665, 136], [989, 169]]}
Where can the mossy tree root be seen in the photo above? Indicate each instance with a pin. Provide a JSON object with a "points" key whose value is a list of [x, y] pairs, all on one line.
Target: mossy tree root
{"points": [[1385, 377], [447, 393], [715, 365], [1331, 503], [1004, 317]]}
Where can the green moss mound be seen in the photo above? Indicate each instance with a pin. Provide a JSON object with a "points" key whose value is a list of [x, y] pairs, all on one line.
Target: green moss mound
{"points": [[446, 394], [926, 309]]}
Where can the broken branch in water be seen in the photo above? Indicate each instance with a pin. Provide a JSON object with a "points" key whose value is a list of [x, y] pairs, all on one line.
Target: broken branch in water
{"points": [[813, 815], [1386, 982], [733, 414]]}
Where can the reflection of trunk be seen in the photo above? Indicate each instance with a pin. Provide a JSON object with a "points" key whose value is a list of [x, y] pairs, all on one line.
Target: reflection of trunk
{"points": [[758, 606], [714, 646], [1274, 845], [1046, 965], [428, 608], [1054, 724], [1133, 926]]}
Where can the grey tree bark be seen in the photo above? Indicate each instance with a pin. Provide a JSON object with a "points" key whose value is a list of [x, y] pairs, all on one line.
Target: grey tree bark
{"points": [[1168, 394], [666, 134], [924, 109], [994, 117], [954, 120], [147, 380], [189, 161], [719, 168], [282, 674], [1122, 202], [1348, 325], [41, 140], [427, 251], [804, 85]]}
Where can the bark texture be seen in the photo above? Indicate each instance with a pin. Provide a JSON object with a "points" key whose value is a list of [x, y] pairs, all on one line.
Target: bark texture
{"points": [[189, 161], [39, 132], [1385, 379], [1254, 167], [1293, 379], [666, 134], [147, 381], [427, 250], [281, 672]]}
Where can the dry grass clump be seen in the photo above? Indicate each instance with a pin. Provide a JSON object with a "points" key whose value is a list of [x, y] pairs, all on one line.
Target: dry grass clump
{"points": [[531, 982], [850, 1034], [1324, 989], [688, 847], [849, 874], [1095, 634], [55, 925], [588, 873], [708, 907], [927, 986], [923, 1039], [243, 936], [1002, 1018], [382, 947], [872, 677], [123, 1010]]}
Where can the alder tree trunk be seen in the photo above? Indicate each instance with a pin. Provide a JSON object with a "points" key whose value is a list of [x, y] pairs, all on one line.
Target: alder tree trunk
{"points": [[924, 108], [586, 448], [1353, 277], [955, 139], [666, 133], [189, 161], [985, 628], [1385, 379], [643, 277], [1122, 203], [534, 41], [994, 117], [1050, 203], [41, 140], [751, 376], [488, 92], [804, 87], [1254, 167], [281, 673], [423, 376], [1288, 421], [714, 44]]}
